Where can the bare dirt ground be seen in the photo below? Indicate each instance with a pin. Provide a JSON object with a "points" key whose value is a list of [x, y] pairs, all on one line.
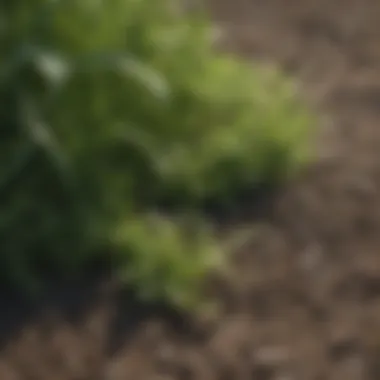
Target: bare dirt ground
{"points": [[304, 302]]}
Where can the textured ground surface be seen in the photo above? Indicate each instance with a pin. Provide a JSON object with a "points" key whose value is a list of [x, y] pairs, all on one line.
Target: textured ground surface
{"points": [[304, 303]]}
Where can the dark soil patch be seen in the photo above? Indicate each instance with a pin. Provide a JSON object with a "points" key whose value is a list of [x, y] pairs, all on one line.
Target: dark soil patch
{"points": [[303, 298]]}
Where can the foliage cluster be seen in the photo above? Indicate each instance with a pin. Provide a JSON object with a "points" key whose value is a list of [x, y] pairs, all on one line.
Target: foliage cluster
{"points": [[109, 108]]}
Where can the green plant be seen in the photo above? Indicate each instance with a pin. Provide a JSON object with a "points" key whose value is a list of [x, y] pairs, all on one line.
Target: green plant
{"points": [[165, 260], [109, 107]]}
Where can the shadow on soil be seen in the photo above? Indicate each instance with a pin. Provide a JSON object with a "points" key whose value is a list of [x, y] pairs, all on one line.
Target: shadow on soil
{"points": [[73, 301]]}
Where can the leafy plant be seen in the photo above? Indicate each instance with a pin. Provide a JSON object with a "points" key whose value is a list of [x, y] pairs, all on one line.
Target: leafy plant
{"points": [[108, 108], [165, 260]]}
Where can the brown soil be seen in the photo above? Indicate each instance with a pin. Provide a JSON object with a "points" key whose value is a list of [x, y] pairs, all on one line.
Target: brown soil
{"points": [[303, 301]]}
